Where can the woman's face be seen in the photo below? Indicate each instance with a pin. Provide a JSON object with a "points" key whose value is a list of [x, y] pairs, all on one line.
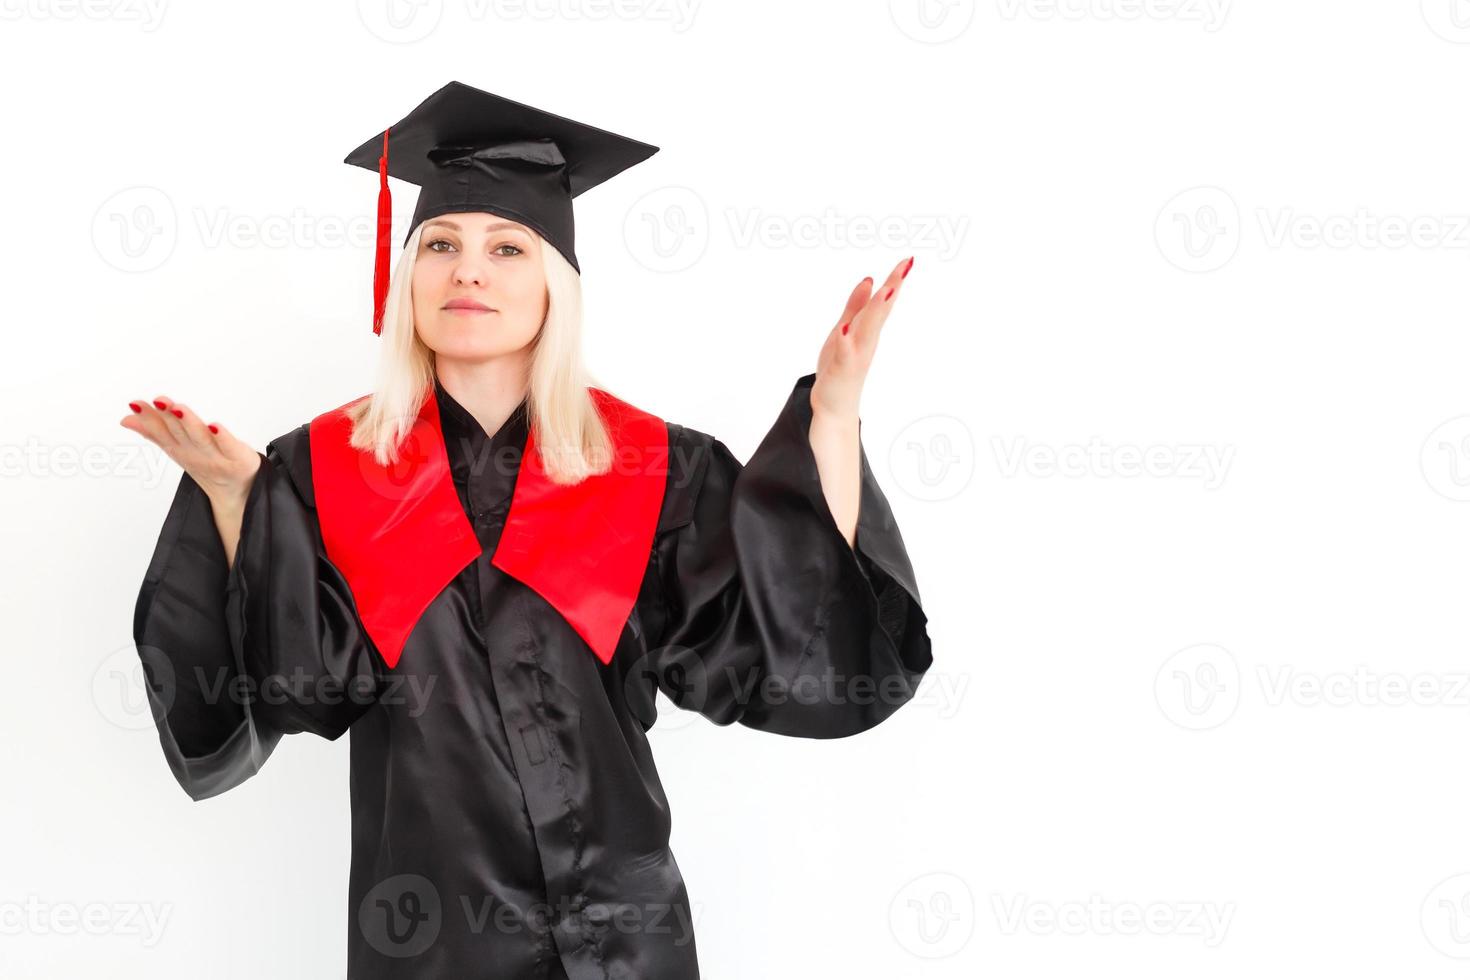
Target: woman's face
{"points": [[479, 290]]}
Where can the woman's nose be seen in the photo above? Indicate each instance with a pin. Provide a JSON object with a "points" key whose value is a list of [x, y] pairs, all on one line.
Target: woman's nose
{"points": [[467, 273]]}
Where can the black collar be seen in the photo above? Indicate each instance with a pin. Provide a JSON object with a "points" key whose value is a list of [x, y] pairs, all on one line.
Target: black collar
{"points": [[458, 417], [485, 466]]}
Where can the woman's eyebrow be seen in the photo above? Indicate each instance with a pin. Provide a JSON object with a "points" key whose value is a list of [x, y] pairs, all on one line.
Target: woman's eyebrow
{"points": [[493, 226]]}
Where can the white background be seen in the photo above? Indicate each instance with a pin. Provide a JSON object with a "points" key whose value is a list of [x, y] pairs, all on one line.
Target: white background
{"points": [[1204, 716]]}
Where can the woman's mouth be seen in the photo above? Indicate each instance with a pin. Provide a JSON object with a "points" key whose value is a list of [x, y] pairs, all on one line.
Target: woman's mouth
{"points": [[466, 307]]}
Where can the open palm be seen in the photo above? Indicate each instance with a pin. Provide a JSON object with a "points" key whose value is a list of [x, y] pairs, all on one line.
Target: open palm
{"points": [[222, 465], [842, 365]]}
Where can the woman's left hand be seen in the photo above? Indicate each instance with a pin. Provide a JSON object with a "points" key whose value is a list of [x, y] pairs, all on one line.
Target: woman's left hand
{"points": [[842, 366]]}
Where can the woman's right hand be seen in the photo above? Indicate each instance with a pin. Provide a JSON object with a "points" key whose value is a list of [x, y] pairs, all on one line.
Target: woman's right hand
{"points": [[223, 466]]}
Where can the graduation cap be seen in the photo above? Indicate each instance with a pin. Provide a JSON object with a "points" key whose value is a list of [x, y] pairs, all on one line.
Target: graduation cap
{"points": [[469, 150]]}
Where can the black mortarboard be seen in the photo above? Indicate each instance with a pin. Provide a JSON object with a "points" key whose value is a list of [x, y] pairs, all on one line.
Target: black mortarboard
{"points": [[469, 150]]}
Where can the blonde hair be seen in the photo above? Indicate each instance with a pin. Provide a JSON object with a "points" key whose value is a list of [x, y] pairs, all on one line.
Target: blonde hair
{"points": [[569, 434]]}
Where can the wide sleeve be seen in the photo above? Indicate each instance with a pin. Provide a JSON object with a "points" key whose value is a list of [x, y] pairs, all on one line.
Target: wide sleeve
{"points": [[768, 618], [235, 656]]}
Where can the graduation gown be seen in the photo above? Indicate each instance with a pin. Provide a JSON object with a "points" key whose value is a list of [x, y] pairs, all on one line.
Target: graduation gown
{"points": [[507, 818]]}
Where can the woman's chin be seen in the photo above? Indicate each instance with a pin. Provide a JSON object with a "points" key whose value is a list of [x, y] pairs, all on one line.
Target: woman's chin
{"points": [[462, 346]]}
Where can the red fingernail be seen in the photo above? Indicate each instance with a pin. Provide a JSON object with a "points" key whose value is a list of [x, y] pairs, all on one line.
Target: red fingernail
{"points": [[180, 414], [844, 327], [135, 406], [214, 428], [888, 294], [907, 268], [159, 405]]}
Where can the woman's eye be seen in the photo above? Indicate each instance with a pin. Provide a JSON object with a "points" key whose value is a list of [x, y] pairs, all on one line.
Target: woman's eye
{"points": [[433, 246]]}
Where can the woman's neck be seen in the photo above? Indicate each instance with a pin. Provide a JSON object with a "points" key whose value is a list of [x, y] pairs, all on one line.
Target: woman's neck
{"points": [[488, 390]]}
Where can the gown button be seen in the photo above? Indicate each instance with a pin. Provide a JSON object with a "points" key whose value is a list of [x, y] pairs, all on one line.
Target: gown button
{"points": [[490, 515]]}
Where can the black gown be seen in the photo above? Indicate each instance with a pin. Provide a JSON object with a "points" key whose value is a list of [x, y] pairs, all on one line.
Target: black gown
{"points": [[507, 819]]}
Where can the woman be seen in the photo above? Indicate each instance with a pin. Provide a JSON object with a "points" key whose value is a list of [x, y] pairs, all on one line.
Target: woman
{"points": [[487, 567]]}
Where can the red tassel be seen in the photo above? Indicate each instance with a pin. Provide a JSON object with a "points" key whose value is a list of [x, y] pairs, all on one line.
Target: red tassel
{"points": [[385, 232]]}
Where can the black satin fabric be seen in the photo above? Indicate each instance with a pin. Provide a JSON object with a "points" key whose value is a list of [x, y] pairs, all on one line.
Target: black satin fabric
{"points": [[507, 818]]}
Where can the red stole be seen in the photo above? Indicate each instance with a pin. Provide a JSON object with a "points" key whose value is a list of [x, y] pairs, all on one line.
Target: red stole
{"points": [[399, 534]]}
